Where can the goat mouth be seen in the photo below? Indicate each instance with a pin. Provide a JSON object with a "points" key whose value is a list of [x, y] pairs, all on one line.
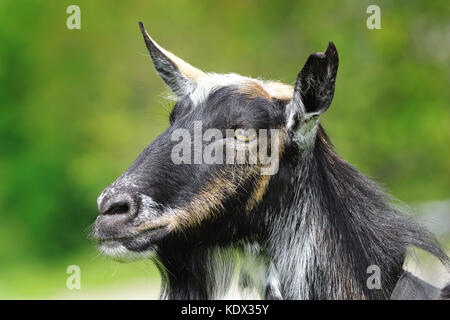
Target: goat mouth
{"points": [[135, 242], [133, 235]]}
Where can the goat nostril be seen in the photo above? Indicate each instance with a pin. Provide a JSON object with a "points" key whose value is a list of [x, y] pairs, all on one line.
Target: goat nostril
{"points": [[117, 208], [118, 204]]}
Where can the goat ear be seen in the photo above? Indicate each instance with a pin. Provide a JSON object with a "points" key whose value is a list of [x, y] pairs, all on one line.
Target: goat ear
{"points": [[314, 87], [179, 75]]}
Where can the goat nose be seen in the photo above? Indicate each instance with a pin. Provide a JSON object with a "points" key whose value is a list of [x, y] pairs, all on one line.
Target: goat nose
{"points": [[118, 204]]}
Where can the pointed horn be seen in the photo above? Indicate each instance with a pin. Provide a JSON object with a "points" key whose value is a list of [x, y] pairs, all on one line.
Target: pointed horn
{"points": [[179, 75]]}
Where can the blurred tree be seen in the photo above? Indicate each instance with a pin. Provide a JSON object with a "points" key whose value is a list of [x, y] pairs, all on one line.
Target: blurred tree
{"points": [[77, 106]]}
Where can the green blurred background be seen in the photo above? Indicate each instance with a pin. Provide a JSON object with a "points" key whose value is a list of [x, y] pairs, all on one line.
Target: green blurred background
{"points": [[78, 106]]}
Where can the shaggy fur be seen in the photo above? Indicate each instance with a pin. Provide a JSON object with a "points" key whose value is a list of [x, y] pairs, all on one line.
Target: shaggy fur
{"points": [[310, 231], [445, 293], [321, 223]]}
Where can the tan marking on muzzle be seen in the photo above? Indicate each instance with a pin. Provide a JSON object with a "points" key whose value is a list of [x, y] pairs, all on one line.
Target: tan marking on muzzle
{"points": [[204, 205], [165, 221], [210, 199]]}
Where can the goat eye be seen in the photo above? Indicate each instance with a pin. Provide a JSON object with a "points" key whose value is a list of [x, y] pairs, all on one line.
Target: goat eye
{"points": [[245, 135]]}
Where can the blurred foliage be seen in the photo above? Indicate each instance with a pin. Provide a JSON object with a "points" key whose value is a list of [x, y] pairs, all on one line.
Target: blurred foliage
{"points": [[78, 106]]}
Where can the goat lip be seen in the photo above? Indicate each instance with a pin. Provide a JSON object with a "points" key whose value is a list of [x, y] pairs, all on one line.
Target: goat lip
{"points": [[106, 240], [131, 236], [110, 243]]}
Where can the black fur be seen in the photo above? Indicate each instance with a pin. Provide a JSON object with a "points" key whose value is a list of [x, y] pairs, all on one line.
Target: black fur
{"points": [[362, 228], [318, 227], [359, 224], [445, 293]]}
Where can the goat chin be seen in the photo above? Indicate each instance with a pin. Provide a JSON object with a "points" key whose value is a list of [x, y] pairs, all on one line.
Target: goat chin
{"points": [[119, 252]]}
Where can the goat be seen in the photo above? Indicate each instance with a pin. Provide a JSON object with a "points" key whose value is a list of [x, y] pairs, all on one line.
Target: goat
{"points": [[308, 230]]}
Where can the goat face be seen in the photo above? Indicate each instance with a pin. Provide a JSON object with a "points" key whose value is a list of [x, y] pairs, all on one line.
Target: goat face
{"points": [[204, 177]]}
